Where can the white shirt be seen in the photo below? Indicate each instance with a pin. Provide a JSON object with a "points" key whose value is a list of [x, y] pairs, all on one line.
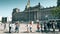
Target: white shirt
{"points": [[30, 25], [12, 27]]}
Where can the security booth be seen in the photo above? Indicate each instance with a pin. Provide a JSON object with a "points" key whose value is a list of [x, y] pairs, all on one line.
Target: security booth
{"points": [[4, 19]]}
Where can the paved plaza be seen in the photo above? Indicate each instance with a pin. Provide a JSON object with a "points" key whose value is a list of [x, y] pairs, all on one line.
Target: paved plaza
{"points": [[23, 29]]}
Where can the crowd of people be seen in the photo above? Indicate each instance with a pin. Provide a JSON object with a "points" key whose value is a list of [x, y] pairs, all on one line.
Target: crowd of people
{"points": [[14, 27]]}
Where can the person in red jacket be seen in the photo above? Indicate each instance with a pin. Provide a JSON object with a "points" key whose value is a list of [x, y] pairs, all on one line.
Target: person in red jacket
{"points": [[38, 26]]}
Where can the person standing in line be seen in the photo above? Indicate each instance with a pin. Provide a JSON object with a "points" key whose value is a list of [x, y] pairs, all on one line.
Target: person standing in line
{"points": [[9, 28], [58, 25], [48, 26], [45, 26], [27, 27], [41, 27], [13, 28], [30, 26], [53, 25], [38, 27], [17, 27]]}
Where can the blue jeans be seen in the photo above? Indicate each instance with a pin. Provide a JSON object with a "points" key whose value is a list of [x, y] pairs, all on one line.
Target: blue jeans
{"points": [[30, 29], [17, 29]]}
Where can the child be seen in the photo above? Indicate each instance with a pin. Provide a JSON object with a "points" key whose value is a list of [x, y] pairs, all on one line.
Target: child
{"points": [[27, 27]]}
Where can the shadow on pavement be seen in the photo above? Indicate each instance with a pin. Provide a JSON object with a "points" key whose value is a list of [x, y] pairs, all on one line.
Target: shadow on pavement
{"points": [[27, 32], [6, 32]]}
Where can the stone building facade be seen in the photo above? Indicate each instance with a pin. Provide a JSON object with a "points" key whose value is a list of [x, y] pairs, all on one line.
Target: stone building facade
{"points": [[33, 13]]}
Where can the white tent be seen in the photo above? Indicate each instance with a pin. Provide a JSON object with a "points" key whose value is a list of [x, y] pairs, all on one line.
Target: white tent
{"points": [[0, 19], [9, 19]]}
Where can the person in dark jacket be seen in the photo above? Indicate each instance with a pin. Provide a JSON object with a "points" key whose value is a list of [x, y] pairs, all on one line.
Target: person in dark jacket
{"points": [[9, 28], [17, 27]]}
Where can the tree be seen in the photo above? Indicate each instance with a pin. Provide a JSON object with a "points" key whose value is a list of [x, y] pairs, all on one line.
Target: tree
{"points": [[56, 12]]}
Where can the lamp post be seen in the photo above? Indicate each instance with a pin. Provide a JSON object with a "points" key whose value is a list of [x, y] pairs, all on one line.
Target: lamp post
{"points": [[29, 14]]}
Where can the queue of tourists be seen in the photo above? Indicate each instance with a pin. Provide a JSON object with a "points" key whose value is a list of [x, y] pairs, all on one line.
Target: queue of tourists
{"points": [[14, 27]]}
